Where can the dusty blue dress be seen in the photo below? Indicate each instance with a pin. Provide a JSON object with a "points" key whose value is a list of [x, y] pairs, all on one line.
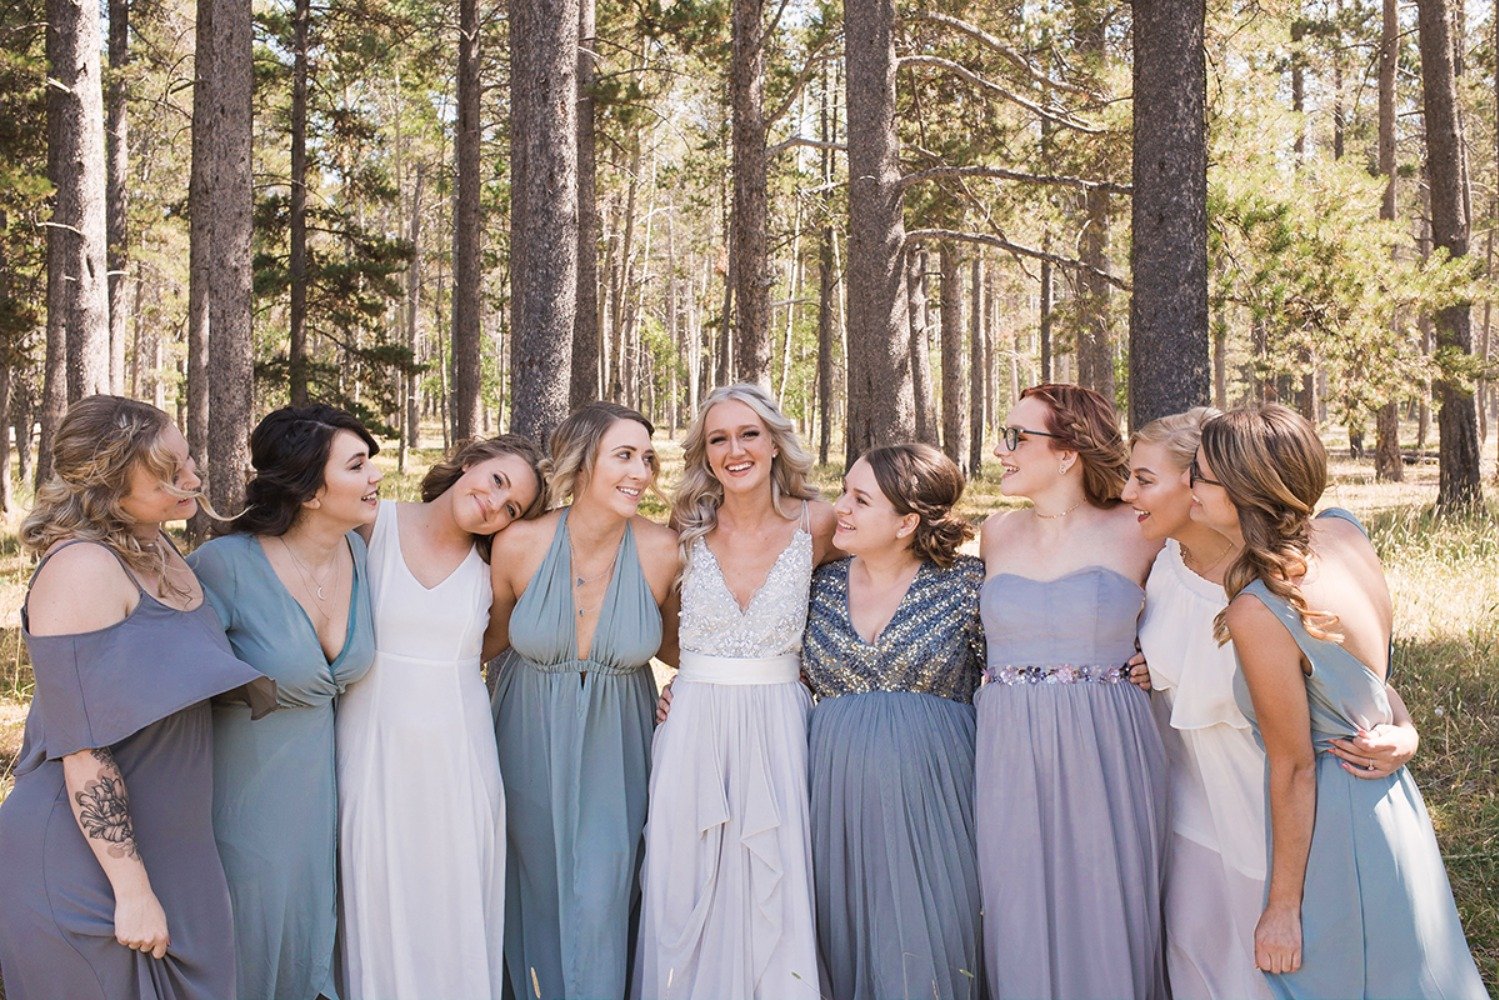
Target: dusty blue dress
{"points": [[891, 769], [1377, 915], [139, 687], [574, 740], [275, 801]]}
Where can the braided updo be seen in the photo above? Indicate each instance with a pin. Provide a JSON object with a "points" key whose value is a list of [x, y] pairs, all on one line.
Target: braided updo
{"points": [[918, 479], [1083, 421]]}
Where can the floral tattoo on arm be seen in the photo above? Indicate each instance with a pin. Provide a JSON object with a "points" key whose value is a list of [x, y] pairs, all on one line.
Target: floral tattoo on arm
{"points": [[104, 809]]}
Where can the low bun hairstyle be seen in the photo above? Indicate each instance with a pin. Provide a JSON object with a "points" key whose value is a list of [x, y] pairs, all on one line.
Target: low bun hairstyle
{"points": [[1081, 420], [918, 479], [289, 451]]}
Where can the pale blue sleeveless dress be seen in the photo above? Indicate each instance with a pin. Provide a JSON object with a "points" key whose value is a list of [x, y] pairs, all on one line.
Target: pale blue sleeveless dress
{"points": [[1071, 796], [574, 741], [275, 797], [1377, 915]]}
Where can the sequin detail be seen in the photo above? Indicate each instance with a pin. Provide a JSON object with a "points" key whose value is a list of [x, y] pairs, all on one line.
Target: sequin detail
{"points": [[712, 622], [934, 643], [1065, 674]]}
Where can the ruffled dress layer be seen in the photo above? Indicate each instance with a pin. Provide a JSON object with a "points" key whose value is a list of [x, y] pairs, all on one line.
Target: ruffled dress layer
{"points": [[898, 904], [140, 688]]}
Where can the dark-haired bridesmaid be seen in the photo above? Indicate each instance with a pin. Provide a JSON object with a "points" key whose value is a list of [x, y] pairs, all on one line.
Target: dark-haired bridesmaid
{"points": [[288, 583]]}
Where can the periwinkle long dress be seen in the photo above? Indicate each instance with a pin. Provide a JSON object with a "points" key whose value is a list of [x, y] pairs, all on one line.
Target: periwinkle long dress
{"points": [[141, 688], [1377, 915], [574, 738], [1072, 797], [275, 796], [726, 911], [892, 787]]}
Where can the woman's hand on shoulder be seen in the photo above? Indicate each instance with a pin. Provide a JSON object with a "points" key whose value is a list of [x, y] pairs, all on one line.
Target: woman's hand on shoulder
{"points": [[83, 588]]}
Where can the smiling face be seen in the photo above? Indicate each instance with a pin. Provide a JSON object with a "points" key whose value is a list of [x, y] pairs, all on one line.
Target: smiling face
{"points": [[350, 494], [1034, 464], [867, 521], [738, 447], [149, 502], [623, 467], [492, 493], [1157, 490], [1210, 502]]}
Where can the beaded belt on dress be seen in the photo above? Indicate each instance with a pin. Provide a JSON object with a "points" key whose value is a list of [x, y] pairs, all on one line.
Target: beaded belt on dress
{"points": [[739, 669], [1066, 673]]}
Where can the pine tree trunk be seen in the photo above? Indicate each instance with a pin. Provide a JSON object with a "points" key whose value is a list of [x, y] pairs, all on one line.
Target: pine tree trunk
{"points": [[954, 379], [922, 395], [230, 358], [297, 355], [1459, 482], [1095, 349], [200, 254], [411, 430], [1168, 346], [467, 412], [1387, 464], [752, 279], [977, 369], [586, 331], [1044, 324], [825, 291], [117, 136], [880, 404]]}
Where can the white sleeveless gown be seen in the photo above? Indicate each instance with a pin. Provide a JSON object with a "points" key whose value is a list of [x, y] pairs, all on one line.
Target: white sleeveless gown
{"points": [[726, 909], [421, 819]]}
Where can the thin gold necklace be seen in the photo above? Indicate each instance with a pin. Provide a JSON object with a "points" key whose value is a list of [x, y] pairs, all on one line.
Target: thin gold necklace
{"points": [[1053, 517], [1204, 571]]}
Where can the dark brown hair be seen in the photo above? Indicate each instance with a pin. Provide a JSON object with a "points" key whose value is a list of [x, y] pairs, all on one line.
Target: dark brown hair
{"points": [[470, 452], [1083, 421], [289, 450], [918, 479]]}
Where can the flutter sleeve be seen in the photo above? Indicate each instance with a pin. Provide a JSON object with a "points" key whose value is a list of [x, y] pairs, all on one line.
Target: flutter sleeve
{"points": [[216, 565]]}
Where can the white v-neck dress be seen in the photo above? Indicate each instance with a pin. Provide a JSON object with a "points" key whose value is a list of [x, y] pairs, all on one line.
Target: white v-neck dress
{"points": [[726, 907], [421, 825]]}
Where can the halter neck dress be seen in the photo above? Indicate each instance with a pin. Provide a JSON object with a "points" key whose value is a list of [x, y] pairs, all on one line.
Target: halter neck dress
{"points": [[1072, 799], [139, 687], [275, 796], [421, 806], [891, 762], [574, 737], [1377, 914], [727, 882]]}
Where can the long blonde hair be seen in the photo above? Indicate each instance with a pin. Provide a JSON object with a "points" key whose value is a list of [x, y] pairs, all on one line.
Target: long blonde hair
{"points": [[1274, 469], [98, 444], [1179, 433], [694, 510]]}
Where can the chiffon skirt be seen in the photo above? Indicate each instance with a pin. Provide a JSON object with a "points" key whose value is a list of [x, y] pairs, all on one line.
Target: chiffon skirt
{"points": [[893, 846], [1072, 800], [727, 884]]}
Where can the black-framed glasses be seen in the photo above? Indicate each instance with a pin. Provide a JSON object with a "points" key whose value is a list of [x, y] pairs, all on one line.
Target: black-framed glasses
{"points": [[1195, 476], [1010, 436]]}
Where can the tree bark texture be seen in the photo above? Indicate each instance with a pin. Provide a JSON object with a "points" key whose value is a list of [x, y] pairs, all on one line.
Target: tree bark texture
{"points": [[923, 397], [752, 277], [1168, 356], [544, 165], [466, 416], [880, 404], [117, 140], [411, 430], [587, 333], [978, 368], [1095, 349], [954, 378], [77, 236], [1459, 482], [230, 348], [1387, 464], [297, 354], [200, 247]]}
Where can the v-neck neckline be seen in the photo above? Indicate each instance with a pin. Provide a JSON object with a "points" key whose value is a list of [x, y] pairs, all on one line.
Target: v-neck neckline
{"points": [[395, 527], [723, 581], [848, 608], [349, 623], [609, 588]]}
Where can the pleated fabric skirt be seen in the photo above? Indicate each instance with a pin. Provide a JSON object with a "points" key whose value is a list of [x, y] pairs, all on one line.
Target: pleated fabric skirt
{"points": [[726, 911], [1072, 802], [893, 846]]}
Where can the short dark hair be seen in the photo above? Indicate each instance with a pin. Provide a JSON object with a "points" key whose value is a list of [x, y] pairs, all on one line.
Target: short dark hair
{"points": [[289, 450]]}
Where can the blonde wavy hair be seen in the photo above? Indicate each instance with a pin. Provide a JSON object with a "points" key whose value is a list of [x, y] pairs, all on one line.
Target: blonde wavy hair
{"points": [[1083, 421], [1179, 433], [575, 446], [100, 442], [694, 510], [1274, 469]]}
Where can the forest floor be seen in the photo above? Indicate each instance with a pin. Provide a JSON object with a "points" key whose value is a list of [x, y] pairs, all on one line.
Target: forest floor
{"points": [[1444, 575]]}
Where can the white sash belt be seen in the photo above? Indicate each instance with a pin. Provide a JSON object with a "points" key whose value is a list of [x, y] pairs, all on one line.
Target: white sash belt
{"points": [[739, 669]]}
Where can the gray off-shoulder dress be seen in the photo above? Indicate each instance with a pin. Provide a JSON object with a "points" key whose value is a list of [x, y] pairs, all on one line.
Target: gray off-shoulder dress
{"points": [[891, 769], [1377, 915], [275, 798], [1072, 795], [141, 688], [574, 739]]}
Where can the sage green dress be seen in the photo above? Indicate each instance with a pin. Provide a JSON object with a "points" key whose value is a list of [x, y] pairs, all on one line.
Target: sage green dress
{"points": [[574, 738]]}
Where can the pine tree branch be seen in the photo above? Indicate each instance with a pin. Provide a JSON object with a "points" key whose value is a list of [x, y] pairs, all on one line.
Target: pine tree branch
{"points": [[1027, 67], [954, 235], [797, 140], [1056, 115], [815, 59], [1000, 173]]}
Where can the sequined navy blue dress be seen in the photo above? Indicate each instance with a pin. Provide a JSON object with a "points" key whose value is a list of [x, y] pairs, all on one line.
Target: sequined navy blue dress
{"points": [[891, 762]]}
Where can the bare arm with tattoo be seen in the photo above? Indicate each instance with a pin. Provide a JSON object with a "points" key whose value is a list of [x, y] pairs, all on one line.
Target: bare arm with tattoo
{"points": [[101, 805]]}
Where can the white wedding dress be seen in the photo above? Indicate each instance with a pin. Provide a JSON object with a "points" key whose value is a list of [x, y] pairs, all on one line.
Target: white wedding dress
{"points": [[421, 819]]}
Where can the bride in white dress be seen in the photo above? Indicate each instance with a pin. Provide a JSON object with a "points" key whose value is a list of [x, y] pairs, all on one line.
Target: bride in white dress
{"points": [[727, 906], [421, 807]]}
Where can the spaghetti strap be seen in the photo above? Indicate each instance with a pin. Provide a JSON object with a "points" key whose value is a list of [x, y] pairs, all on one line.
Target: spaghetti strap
{"points": [[807, 516]]}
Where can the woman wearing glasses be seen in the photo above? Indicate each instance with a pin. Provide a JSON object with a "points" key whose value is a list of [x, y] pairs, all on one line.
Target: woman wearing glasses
{"points": [[1358, 902], [1071, 775]]}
